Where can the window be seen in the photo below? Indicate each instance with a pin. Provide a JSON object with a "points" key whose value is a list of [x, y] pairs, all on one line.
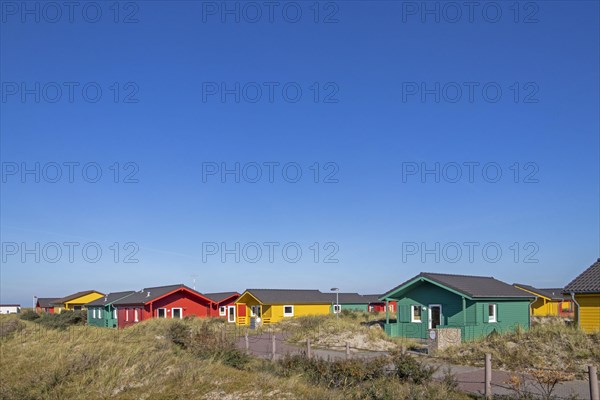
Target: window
{"points": [[161, 313], [99, 313], [336, 308], [288, 311], [371, 308], [415, 313], [115, 314], [127, 314], [77, 308], [222, 311], [255, 311], [492, 310], [93, 313], [136, 316], [176, 313]]}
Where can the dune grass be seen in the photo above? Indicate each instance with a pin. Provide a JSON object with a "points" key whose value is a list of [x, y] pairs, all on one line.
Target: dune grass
{"points": [[146, 362]]}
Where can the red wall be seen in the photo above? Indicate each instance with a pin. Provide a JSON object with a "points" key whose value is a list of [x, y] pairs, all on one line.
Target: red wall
{"points": [[380, 307], [190, 304], [214, 312]]}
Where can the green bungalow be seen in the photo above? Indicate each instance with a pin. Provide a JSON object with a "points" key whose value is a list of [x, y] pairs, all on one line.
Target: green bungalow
{"points": [[102, 313], [477, 305], [349, 301]]}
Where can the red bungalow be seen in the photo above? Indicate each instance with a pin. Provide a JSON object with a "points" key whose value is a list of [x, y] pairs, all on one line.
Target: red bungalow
{"points": [[375, 305], [223, 304], [44, 304], [175, 301]]}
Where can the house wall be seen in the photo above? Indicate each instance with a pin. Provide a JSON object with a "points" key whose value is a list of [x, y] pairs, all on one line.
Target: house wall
{"points": [[352, 307], [543, 307], [214, 310], [10, 309], [272, 313], [80, 301], [189, 303], [107, 319], [589, 312], [380, 307]]}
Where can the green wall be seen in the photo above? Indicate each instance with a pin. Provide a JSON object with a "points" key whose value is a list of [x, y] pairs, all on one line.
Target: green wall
{"points": [[473, 322], [107, 320], [353, 307]]}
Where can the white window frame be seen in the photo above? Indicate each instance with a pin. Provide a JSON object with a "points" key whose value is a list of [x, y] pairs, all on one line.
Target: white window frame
{"points": [[337, 308], [290, 314], [158, 313], [115, 314], [94, 312], [180, 312], [127, 315], [253, 311], [99, 313], [412, 314], [230, 314], [493, 319], [136, 315], [222, 311]]}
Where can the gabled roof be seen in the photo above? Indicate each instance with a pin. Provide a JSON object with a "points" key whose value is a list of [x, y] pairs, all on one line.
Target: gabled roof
{"points": [[290, 296], [110, 298], [74, 296], [467, 285], [148, 295], [587, 282], [550, 294], [220, 296], [46, 302]]}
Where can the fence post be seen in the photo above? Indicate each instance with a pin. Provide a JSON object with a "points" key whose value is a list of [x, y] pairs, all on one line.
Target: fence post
{"points": [[347, 350], [308, 349], [247, 342], [488, 376], [273, 345], [594, 395]]}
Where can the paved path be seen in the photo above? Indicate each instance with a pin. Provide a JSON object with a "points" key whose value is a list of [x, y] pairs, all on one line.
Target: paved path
{"points": [[470, 379]]}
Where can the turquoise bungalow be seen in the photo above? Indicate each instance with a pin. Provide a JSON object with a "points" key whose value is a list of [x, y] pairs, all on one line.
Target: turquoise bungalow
{"points": [[102, 313], [477, 305]]}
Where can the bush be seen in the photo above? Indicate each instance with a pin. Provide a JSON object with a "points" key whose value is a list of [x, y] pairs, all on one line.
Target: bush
{"points": [[29, 316], [9, 326], [409, 369], [338, 374], [63, 320], [207, 343]]}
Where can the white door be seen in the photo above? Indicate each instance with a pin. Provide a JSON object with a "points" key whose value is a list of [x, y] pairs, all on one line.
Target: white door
{"points": [[435, 315], [231, 314]]}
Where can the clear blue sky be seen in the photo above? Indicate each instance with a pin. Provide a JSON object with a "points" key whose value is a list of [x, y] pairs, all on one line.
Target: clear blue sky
{"points": [[373, 120]]}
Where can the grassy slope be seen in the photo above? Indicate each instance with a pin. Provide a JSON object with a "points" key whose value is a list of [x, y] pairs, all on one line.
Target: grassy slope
{"points": [[140, 363]]}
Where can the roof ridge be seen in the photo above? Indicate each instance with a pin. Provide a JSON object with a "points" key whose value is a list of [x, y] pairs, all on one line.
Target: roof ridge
{"points": [[463, 275]]}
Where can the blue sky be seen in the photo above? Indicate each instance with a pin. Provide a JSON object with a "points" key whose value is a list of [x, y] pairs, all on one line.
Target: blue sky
{"points": [[368, 96]]}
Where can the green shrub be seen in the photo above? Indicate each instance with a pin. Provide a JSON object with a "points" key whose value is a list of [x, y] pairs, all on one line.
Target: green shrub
{"points": [[63, 320], [409, 369], [179, 334], [29, 316], [9, 326]]}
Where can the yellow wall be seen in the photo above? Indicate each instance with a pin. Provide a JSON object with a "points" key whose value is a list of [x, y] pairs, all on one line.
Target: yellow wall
{"points": [[543, 307], [79, 301], [589, 311], [272, 313]]}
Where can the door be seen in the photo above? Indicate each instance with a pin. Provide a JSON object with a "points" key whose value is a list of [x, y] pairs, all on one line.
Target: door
{"points": [[435, 315], [231, 314]]}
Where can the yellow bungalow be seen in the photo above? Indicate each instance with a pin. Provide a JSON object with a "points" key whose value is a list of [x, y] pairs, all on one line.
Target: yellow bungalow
{"points": [[549, 302], [585, 290], [76, 301], [266, 306]]}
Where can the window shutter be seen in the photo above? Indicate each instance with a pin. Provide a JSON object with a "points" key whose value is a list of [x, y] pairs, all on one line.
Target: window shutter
{"points": [[486, 313]]}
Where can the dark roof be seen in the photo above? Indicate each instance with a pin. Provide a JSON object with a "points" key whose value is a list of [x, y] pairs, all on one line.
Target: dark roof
{"points": [[372, 298], [348, 298], [587, 282], [10, 305], [290, 296], [46, 302], [552, 294], [471, 286], [74, 296], [219, 297], [110, 298], [147, 295]]}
